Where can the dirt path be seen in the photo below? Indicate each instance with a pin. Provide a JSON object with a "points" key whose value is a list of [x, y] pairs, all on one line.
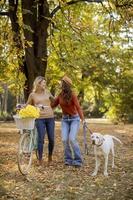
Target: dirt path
{"points": [[59, 182]]}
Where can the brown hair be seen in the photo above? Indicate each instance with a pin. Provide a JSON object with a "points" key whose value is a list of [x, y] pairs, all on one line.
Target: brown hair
{"points": [[66, 92]]}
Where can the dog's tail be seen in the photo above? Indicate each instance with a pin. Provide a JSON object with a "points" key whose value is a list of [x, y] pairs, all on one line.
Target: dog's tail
{"points": [[115, 138]]}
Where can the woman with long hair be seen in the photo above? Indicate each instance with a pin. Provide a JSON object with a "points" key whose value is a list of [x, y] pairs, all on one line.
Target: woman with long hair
{"points": [[39, 97], [72, 113]]}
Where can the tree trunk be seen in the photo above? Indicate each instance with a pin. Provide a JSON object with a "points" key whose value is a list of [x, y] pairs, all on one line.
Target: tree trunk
{"points": [[5, 98], [35, 18], [81, 92], [13, 7]]}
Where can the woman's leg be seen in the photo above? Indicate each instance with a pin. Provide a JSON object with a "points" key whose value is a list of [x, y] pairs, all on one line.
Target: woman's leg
{"points": [[50, 125], [65, 139], [40, 125], [74, 127]]}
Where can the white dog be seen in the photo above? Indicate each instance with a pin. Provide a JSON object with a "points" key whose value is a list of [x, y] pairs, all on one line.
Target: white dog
{"points": [[106, 144]]}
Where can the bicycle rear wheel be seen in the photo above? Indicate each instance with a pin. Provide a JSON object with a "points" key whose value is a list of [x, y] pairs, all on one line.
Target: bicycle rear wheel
{"points": [[25, 153], [36, 143]]}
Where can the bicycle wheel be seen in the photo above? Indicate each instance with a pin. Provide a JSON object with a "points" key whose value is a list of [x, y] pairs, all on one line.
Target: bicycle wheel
{"points": [[25, 153], [36, 143]]}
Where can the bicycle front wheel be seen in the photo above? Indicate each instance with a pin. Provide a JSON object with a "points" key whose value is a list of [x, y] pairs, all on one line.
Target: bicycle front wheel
{"points": [[25, 153]]}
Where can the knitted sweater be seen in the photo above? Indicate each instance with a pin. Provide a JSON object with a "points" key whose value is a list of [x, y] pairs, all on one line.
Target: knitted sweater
{"points": [[71, 108], [41, 100]]}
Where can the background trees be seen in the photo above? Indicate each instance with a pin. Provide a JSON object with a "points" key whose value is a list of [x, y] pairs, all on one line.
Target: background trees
{"points": [[88, 41]]}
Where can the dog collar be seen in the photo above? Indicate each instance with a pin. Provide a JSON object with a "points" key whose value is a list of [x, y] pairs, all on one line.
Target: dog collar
{"points": [[100, 143]]}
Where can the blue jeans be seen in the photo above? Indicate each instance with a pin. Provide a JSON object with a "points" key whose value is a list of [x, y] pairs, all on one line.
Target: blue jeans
{"points": [[70, 127], [43, 126]]}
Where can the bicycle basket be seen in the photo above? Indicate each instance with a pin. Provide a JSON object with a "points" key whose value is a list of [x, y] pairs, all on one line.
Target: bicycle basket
{"points": [[24, 123]]}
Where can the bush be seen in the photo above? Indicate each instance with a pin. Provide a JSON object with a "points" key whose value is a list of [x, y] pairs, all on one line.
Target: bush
{"points": [[130, 117], [6, 117]]}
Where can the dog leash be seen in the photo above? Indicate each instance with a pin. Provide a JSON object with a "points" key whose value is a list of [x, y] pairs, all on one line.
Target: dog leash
{"points": [[85, 138], [85, 129]]}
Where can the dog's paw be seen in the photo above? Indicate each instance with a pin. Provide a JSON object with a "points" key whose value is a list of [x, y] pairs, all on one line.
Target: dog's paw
{"points": [[105, 173], [94, 174]]}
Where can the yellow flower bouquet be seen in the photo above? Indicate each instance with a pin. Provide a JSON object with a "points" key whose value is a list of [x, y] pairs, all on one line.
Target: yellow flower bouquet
{"points": [[25, 119], [29, 112]]}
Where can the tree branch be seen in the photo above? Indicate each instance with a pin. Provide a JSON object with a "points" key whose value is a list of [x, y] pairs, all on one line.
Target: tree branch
{"points": [[73, 2], [127, 5], [13, 6], [4, 14]]}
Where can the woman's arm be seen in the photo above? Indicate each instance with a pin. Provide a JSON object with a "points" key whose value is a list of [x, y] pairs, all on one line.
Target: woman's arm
{"points": [[55, 102], [51, 98], [30, 100], [76, 103]]}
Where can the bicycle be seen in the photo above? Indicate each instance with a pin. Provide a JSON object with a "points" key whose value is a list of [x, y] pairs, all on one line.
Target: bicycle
{"points": [[27, 143]]}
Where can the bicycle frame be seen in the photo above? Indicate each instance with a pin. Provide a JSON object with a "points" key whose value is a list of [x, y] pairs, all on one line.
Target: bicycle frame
{"points": [[33, 139]]}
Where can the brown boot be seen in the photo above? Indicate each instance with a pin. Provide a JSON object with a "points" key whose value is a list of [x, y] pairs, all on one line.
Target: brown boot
{"points": [[40, 162], [49, 158]]}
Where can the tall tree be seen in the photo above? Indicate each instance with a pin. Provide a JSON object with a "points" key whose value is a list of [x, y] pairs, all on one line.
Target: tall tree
{"points": [[36, 18]]}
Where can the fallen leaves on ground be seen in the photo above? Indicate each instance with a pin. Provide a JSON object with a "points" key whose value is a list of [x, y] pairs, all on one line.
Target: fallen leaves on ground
{"points": [[58, 182]]}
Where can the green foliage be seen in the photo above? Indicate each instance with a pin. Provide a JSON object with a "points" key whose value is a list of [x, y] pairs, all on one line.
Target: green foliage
{"points": [[11, 60], [92, 44], [86, 47]]}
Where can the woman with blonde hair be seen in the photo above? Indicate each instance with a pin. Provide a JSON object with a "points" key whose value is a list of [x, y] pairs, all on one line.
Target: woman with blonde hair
{"points": [[39, 97]]}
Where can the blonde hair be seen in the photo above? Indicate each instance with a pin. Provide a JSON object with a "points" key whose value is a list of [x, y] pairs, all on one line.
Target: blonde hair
{"points": [[37, 81]]}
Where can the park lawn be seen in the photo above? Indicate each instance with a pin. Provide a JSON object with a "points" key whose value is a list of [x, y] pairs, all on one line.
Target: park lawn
{"points": [[59, 182]]}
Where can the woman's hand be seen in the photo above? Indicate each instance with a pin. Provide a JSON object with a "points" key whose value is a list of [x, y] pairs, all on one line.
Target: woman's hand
{"points": [[84, 122], [51, 98], [20, 106], [40, 106]]}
